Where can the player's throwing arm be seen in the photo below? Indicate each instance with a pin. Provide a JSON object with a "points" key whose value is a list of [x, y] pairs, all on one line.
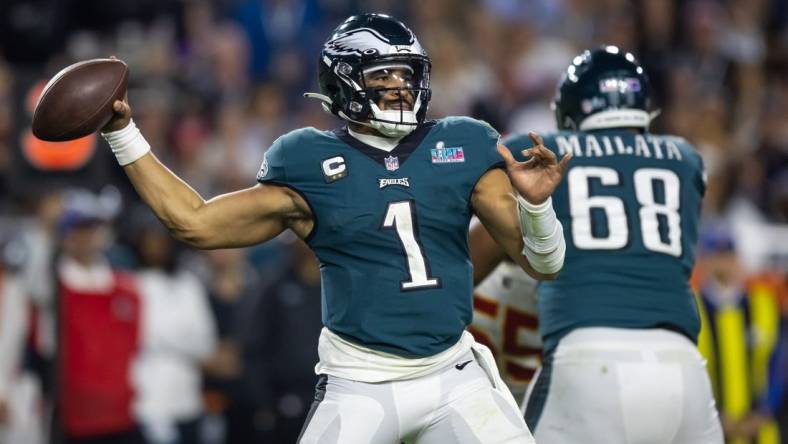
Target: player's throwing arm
{"points": [[90, 95]]}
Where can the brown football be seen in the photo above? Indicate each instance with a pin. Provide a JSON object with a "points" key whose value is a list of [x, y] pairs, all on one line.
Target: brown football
{"points": [[78, 100]]}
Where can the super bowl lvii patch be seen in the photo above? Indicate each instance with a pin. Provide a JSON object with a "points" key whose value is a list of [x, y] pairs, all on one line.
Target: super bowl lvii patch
{"points": [[441, 154]]}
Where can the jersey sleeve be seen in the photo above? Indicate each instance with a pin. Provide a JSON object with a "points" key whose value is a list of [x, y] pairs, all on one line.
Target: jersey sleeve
{"points": [[476, 140], [516, 143], [273, 167], [490, 140], [698, 166], [702, 177]]}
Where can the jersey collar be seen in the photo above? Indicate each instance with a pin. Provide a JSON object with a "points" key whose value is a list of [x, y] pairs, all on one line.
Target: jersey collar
{"points": [[403, 150]]}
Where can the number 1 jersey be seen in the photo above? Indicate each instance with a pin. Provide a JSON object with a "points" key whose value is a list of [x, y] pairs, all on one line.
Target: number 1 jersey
{"points": [[391, 228], [629, 204]]}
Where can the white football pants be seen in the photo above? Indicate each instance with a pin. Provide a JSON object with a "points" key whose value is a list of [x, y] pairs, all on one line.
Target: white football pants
{"points": [[623, 386], [456, 404]]}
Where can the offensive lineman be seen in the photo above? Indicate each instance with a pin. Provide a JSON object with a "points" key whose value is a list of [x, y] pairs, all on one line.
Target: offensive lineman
{"points": [[385, 205], [619, 326]]}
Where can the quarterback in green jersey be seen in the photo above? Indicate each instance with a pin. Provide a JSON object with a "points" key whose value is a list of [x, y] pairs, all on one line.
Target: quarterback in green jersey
{"points": [[385, 203], [620, 324]]}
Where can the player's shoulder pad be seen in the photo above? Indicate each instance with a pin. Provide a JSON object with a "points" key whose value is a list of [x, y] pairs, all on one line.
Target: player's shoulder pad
{"points": [[284, 153], [687, 150], [517, 142], [691, 156], [477, 138], [467, 126], [298, 138]]}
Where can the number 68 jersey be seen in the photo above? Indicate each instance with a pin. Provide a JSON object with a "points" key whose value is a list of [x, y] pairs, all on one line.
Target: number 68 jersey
{"points": [[390, 228], [629, 204]]}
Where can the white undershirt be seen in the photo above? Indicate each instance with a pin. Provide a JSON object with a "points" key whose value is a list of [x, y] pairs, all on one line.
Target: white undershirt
{"points": [[382, 143], [344, 359]]}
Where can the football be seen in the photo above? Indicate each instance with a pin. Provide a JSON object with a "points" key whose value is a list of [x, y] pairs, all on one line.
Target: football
{"points": [[78, 100]]}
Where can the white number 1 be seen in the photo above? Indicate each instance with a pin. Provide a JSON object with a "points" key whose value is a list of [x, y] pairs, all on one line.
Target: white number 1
{"points": [[399, 215]]}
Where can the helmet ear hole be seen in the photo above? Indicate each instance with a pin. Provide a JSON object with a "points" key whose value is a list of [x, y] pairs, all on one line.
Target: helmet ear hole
{"points": [[333, 92]]}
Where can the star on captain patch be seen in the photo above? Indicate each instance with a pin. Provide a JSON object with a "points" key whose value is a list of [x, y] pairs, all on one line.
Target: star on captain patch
{"points": [[392, 163]]}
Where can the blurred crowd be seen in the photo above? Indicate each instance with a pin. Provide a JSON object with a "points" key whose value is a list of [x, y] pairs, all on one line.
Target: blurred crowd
{"points": [[222, 344]]}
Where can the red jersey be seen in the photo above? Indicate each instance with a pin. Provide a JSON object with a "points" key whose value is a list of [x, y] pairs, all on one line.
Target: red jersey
{"points": [[99, 337]]}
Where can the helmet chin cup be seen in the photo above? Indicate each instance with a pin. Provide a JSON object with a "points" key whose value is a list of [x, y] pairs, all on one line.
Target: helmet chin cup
{"points": [[394, 123], [393, 130]]}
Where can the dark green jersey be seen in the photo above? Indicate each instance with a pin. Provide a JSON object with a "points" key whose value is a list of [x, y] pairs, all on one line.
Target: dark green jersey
{"points": [[629, 205], [391, 228]]}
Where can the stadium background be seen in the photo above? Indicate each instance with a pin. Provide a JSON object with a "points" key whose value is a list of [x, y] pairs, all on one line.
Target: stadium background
{"points": [[214, 83]]}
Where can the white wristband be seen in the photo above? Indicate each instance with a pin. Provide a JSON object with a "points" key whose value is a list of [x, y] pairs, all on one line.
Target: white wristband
{"points": [[547, 263], [543, 235], [540, 228], [127, 144]]}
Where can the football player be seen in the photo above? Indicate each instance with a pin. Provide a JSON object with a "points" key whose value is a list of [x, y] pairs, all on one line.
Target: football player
{"points": [[385, 204], [620, 324]]}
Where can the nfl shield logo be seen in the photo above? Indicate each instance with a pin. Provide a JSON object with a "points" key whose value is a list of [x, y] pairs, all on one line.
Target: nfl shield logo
{"points": [[392, 163]]}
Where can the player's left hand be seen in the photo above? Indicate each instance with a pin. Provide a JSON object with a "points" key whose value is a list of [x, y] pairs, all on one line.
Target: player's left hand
{"points": [[536, 178]]}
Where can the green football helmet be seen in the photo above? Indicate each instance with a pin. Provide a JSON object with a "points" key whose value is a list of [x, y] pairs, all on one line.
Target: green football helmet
{"points": [[366, 43], [603, 88]]}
